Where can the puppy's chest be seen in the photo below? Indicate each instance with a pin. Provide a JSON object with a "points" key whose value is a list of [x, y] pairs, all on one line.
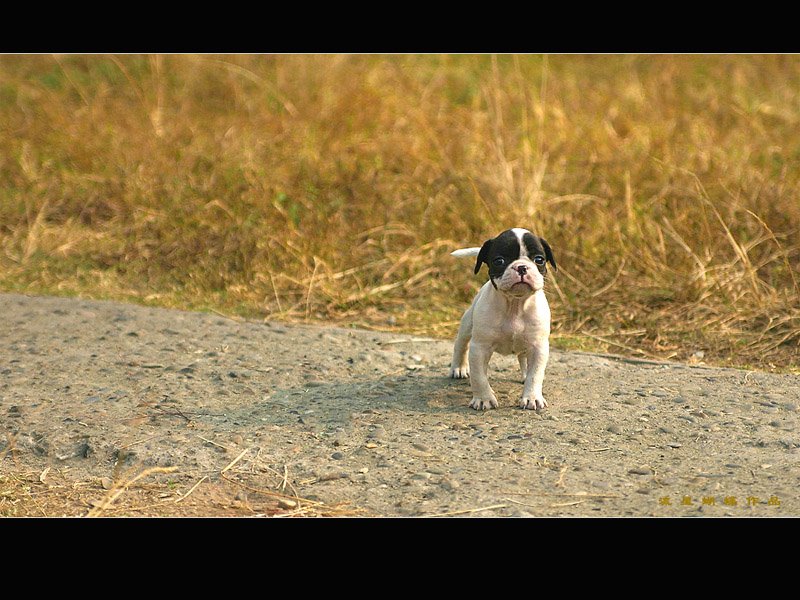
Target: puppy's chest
{"points": [[516, 335]]}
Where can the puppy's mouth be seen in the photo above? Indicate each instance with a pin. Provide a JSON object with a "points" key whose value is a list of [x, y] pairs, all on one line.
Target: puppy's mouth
{"points": [[520, 288], [519, 280]]}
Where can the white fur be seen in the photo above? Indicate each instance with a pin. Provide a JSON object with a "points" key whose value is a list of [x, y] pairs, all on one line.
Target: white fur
{"points": [[512, 319], [466, 252]]}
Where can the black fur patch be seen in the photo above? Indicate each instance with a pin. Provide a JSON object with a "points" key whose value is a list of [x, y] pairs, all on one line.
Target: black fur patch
{"points": [[501, 251], [537, 246]]}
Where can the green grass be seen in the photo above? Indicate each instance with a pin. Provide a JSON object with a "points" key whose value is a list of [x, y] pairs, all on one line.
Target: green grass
{"points": [[332, 188]]}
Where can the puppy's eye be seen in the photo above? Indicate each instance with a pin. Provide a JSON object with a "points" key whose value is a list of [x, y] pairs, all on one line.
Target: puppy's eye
{"points": [[539, 260], [499, 261]]}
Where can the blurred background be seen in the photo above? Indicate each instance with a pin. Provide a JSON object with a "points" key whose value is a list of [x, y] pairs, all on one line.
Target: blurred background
{"points": [[332, 188]]}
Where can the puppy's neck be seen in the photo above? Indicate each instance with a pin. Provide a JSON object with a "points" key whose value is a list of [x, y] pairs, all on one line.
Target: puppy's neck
{"points": [[512, 304]]}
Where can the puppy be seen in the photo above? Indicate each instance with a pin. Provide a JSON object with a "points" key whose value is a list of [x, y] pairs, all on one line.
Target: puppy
{"points": [[509, 315]]}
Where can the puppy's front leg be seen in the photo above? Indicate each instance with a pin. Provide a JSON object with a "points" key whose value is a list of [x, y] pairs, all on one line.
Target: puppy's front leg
{"points": [[532, 397], [482, 395]]}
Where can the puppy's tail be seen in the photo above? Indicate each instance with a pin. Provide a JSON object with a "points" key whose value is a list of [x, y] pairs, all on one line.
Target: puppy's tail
{"points": [[465, 252]]}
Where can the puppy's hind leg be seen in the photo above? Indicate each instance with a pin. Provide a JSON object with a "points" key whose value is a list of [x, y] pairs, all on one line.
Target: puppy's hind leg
{"points": [[459, 366], [523, 365]]}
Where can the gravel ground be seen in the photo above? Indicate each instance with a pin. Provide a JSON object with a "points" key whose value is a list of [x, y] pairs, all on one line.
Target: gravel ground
{"points": [[114, 410]]}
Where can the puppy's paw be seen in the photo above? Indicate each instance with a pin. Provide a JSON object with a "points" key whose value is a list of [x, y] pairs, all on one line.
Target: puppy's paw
{"points": [[532, 403], [483, 403], [459, 372]]}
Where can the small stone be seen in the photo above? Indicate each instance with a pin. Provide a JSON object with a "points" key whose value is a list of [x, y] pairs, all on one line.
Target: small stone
{"points": [[377, 432], [640, 470], [106, 482]]}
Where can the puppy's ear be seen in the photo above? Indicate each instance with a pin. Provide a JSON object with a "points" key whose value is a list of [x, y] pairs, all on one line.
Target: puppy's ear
{"points": [[548, 254], [483, 255]]}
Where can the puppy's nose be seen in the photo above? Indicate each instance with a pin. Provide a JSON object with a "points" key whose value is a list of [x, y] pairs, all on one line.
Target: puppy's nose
{"points": [[522, 269]]}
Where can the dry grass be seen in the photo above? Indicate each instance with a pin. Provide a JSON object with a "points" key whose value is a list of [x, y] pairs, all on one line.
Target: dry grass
{"points": [[152, 493], [333, 188], [251, 489]]}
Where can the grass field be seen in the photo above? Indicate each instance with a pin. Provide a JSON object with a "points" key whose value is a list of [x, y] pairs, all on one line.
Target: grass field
{"points": [[332, 188]]}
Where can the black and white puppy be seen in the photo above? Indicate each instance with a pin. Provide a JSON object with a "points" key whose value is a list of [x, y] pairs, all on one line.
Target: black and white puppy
{"points": [[509, 315]]}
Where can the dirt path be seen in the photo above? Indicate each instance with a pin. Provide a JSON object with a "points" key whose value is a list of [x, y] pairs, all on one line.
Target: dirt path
{"points": [[116, 409]]}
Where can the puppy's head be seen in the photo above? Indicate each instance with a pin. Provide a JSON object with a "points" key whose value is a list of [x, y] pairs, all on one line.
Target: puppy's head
{"points": [[517, 262]]}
